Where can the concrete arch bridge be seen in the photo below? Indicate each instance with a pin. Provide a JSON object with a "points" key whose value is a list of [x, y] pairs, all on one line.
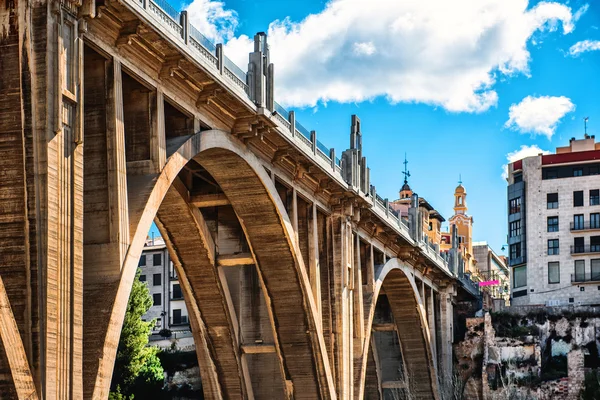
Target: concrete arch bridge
{"points": [[300, 281]]}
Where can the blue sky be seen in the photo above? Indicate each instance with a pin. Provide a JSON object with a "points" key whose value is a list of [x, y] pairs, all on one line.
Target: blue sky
{"points": [[433, 79]]}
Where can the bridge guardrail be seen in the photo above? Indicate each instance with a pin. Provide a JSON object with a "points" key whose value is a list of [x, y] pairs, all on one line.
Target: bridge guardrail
{"points": [[192, 38]]}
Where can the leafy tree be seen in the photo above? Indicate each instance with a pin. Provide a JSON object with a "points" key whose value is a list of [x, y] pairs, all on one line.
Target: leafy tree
{"points": [[138, 372]]}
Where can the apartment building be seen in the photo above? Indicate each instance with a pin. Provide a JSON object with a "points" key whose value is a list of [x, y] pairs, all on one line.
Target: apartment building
{"points": [[157, 271], [554, 226], [493, 272]]}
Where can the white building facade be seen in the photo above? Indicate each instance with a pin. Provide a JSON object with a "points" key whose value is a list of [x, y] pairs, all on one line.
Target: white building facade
{"points": [[554, 226], [157, 271]]}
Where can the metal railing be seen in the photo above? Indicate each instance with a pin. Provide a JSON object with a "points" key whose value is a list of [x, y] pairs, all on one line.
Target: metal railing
{"points": [[593, 248], [593, 276], [281, 111], [168, 15], [237, 71], [300, 128], [587, 225], [202, 40]]}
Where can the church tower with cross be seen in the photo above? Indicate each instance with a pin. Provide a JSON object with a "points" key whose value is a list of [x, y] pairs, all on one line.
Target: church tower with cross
{"points": [[405, 191]]}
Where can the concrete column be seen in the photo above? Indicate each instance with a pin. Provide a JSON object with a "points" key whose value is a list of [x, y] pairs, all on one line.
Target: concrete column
{"points": [[313, 251], [370, 269], [295, 213], [342, 305], [431, 322], [117, 165], [358, 315], [158, 146], [446, 334]]}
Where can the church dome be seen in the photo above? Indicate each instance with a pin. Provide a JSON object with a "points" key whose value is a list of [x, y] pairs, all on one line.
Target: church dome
{"points": [[460, 189], [405, 187]]}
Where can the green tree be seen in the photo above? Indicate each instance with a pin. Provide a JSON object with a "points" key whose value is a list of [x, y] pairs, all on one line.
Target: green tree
{"points": [[138, 372]]}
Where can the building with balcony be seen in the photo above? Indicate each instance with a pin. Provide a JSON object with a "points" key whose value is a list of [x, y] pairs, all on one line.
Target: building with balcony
{"points": [[554, 226], [168, 309], [494, 274]]}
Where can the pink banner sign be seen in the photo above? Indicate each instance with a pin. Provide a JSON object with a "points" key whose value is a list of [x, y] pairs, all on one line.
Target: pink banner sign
{"points": [[489, 283]]}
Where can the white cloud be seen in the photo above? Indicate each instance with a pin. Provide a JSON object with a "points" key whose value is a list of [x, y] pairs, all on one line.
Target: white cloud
{"points": [[524, 151], [364, 48], [538, 115], [438, 52], [579, 13], [213, 20], [583, 46]]}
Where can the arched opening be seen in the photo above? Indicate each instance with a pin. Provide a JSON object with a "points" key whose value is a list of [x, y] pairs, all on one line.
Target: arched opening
{"points": [[299, 345], [396, 361]]}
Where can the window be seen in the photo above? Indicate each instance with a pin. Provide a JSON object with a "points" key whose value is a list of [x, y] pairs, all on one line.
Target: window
{"points": [[595, 244], [593, 170], [156, 299], [552, 247], [177, 292], [594, 197], [579, 270], [142, 262], [578, 198], [515, 206], [553, 272], [515, 251], [594, 220], [518, 178], [595, 269], [156, 279], [515, 228], [577, 171], [552, 200], [157, 259], [551, 174], [577, 222], [520, 276], [578, 245], [176, 316], [552, 224], [142, 278]]}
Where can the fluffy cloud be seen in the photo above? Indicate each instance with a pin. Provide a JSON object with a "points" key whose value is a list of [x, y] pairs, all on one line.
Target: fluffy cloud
{"points": [[213, 20], [438, 52], [524, 151], [538, 115], [583, 46]]}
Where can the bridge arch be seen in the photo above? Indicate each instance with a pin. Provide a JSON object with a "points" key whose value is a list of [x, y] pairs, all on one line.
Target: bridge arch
{"points": [[395, 280], [253, 196]]}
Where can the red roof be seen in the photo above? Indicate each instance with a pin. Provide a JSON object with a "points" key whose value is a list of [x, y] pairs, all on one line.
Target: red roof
{"points": [[562, 158]]}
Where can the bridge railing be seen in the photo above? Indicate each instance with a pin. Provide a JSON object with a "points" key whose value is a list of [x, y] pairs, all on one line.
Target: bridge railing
{"points": [[178, 28]]}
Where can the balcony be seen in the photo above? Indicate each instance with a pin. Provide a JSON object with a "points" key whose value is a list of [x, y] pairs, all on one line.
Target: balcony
{"points": [[587, 249], [585, 226], [183, 320], [586, 277]]}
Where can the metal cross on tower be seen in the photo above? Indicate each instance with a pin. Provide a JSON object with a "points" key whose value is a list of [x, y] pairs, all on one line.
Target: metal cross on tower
{"points": [[406, 173]]}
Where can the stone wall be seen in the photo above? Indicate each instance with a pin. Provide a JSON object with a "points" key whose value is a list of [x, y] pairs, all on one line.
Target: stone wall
{"points": [[536, 355]]}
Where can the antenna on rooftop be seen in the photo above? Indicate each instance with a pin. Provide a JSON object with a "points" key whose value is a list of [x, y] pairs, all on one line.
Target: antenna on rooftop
{"points": [[585, 120], [459, 179], [406, 173]]}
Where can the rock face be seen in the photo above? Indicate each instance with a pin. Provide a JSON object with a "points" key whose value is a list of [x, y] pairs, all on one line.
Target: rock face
{"points": [[538, 355]]}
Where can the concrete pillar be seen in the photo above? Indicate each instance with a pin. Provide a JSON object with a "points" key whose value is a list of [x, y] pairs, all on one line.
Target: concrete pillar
{"points": [[295, 213], [342, 304], [446, 334], [158, 146], [117, 165], [431, 322], [314, 264], [358, 315]]}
